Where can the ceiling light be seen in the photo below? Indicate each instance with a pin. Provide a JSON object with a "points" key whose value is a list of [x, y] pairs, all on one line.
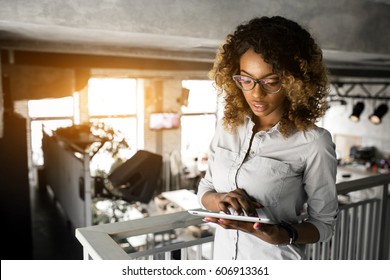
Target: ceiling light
{"points": [[380, 111], [356, 112]]}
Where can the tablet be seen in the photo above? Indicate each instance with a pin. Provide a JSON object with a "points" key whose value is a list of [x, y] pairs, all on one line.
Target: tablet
{"points": [[221, 215]]}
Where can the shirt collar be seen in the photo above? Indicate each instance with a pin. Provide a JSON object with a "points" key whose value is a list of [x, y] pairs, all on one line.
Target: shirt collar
{"points": [[275, 128]]}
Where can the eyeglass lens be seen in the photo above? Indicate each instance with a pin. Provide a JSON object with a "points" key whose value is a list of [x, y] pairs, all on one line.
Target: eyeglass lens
{"points": [[270, 85]]}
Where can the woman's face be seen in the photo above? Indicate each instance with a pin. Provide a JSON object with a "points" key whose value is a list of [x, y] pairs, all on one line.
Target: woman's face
{"points": [[268, 107]]}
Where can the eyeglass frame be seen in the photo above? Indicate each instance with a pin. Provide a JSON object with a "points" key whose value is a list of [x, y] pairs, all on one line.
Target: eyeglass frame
{"points": [[255, 82]]}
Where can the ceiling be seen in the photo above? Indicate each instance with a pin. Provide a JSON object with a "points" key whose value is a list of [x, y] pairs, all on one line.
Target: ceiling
{"points": [[354, 34]]}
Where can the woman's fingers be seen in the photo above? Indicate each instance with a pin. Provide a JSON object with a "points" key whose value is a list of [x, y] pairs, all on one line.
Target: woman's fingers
{"points": [[240, 201], [224, 207], [237, 225], [233, 200], [226, 223], [271, 233], [248, 203]]}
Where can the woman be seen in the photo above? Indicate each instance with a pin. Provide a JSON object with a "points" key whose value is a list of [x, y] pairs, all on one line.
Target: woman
{"points": [[267, 151]]}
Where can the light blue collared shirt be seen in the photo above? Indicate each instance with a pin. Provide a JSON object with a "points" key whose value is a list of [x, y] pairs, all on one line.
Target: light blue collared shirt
{"points": [[283, 174]]}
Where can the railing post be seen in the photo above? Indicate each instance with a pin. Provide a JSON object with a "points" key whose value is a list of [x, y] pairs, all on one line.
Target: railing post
{"points": [[85, 254], [87, 191], [384, 237]]}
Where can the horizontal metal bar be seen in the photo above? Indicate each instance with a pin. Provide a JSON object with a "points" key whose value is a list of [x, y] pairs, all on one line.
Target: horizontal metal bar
{"points": [[172, 247], [358, 96], [363, 183]]}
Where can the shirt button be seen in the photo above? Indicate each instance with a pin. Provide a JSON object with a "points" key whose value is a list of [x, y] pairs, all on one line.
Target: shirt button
{"points": [[253, 153]]}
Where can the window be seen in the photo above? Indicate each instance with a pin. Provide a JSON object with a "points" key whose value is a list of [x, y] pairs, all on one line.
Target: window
{"points": [[113, 102], [110, 101], [112, 97], [52, 113], [198, 119], [51, 108]]}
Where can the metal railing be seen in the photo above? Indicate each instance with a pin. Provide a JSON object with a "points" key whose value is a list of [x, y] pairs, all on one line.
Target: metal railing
{"points": [[356, 236], [362, 232]]}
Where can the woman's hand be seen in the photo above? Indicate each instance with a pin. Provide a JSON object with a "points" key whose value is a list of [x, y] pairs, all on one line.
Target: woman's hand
{"points": [[239, 200], [273, 234]]}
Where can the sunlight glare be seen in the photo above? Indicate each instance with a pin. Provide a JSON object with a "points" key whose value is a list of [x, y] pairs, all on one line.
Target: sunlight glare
{"points": [[105, 93]]}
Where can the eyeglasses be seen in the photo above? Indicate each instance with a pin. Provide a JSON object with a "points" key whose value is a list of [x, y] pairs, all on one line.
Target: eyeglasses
{"points": [[269, 85]]}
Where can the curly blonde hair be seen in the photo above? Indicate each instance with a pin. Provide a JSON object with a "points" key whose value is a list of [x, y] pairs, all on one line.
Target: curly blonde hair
{"points": [[293, 55]]}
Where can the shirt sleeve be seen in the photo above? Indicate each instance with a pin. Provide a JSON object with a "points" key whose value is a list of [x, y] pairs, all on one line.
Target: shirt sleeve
{"points": [[320, 185]]}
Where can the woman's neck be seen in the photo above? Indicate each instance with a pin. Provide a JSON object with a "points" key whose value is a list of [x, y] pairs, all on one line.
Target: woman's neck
{"points": [[263, 125]]}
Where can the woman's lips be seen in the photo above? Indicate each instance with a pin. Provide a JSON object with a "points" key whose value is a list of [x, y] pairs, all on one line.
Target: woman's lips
{"points": [[259, 107]]}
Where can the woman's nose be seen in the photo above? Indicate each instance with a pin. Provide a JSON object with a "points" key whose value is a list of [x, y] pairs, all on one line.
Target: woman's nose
{"points": [[258, 91]]}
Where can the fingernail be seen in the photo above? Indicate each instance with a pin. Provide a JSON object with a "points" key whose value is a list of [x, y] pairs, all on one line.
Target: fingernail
{"points": [[206, 220], [220, 221], [257, 226]]}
